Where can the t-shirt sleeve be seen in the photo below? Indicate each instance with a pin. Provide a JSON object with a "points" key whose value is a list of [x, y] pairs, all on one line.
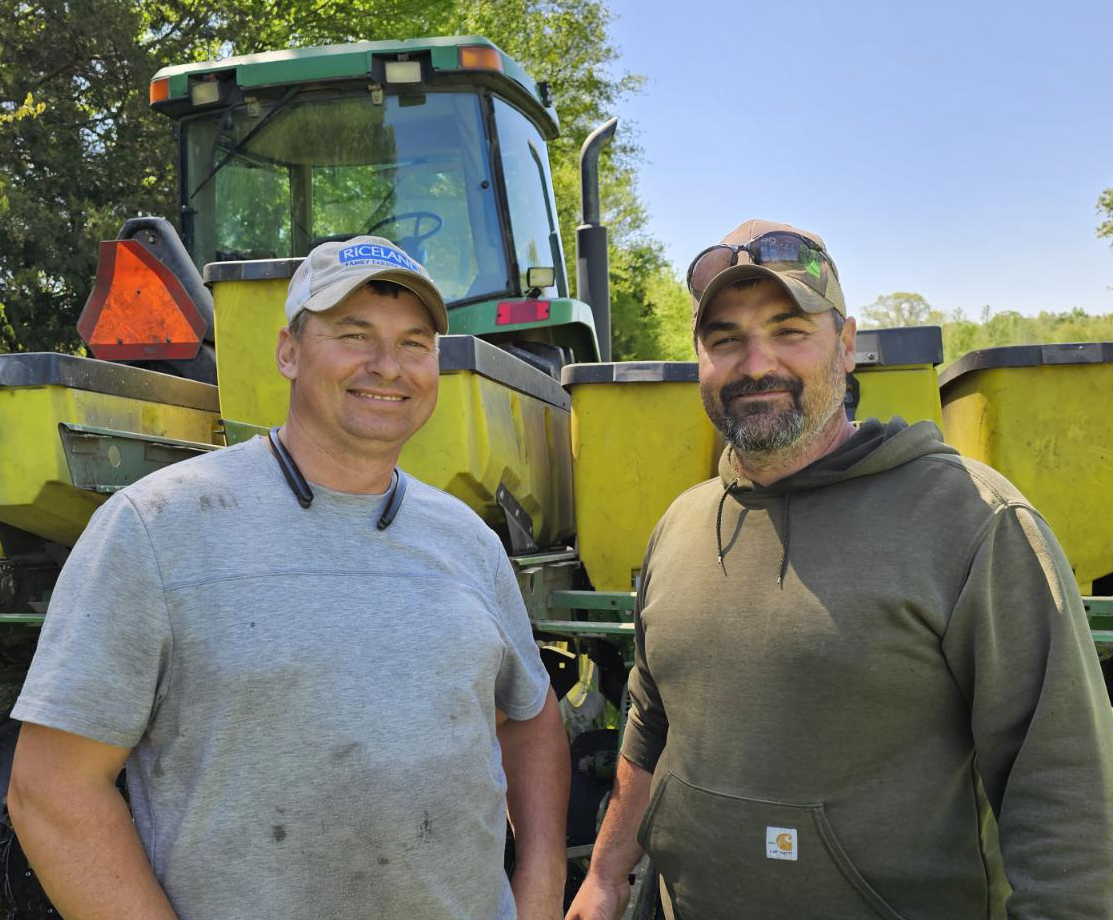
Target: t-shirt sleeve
{"points": [[522, 683], [103, 657]]}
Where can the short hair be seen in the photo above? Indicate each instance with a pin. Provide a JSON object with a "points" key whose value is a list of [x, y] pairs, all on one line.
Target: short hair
{"points": [[377, 286], [297, 324]]}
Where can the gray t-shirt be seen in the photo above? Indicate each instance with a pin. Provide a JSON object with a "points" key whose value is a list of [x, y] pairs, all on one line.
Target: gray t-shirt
{"points": [[310, 701]]}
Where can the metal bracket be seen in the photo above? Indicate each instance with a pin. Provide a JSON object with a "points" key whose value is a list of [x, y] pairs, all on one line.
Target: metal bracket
{"points": [[519, 524], [237, 432], [853, 396], [583, 628], [1099, 611], [22, 619], [621, 601], [104, 460]]}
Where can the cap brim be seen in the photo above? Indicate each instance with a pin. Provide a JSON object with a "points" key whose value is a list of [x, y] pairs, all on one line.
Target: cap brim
{"points": [[803, 296], [423, 289]]}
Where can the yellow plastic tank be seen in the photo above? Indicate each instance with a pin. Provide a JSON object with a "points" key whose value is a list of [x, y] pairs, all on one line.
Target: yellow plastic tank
{"points": [[498, 439], [1041, 415], [40, 391], [640, 437], [894, 374]]}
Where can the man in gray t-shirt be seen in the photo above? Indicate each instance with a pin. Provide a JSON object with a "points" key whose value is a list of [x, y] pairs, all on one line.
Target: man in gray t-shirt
{"points": [[327, 701]]}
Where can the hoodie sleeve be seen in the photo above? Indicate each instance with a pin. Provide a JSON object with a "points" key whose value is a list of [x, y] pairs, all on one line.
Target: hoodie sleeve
{"points": [[1020, 648], [647, 725]]}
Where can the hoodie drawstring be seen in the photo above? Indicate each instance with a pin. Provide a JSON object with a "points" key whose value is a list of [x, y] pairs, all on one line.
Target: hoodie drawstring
{"points": [[784, 541], [784, 548], [719, 523]]}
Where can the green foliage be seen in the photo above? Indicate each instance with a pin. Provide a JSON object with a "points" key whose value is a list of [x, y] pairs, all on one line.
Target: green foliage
{"points": [[81, 151], [899, 309], [1105, 207], [28, 109], [673, 305], [991, 330], [651, 313], [961, 335]]}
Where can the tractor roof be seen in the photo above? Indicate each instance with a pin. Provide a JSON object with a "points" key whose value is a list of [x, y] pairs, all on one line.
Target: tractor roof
{"points": [[470, 57]]}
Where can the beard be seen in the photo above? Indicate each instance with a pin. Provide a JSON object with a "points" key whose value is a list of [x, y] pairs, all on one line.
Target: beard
{"points": [[760, 429]]}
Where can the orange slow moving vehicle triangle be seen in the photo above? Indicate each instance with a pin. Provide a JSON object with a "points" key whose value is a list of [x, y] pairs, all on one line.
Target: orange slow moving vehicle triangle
{"points": [[138, 310]]}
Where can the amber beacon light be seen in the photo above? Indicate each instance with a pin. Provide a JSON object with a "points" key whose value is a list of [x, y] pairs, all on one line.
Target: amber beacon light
{"points": [[480, 57], [160, 90]]}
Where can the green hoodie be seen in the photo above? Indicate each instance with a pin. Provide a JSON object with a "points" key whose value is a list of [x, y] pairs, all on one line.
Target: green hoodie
{"points": [[829, 670]]}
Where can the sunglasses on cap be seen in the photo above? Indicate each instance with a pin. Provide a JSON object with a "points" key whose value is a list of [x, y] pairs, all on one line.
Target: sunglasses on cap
{"points": [[777, 250]]}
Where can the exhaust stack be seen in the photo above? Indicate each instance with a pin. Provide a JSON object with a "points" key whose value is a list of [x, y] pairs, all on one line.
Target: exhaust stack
{"points": [[592, 265]]}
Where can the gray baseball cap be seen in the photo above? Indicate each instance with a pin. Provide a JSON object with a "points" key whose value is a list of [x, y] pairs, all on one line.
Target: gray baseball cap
{"points": [[334, 270], [797, 260]]}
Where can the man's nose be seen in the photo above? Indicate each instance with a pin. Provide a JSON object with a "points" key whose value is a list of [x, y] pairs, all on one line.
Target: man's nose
{"points": [[757, 359], [382, 361]]}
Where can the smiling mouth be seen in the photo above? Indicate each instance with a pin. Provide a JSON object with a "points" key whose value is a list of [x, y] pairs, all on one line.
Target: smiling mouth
{"points": [[378, 397]]}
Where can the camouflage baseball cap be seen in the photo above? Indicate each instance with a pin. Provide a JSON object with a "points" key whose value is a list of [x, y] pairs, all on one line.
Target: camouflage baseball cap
{"points": [[794, 258], [334, 270]]}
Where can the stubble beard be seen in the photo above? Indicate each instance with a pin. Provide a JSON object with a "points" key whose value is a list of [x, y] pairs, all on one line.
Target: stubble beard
{"points": [[768, 436]]}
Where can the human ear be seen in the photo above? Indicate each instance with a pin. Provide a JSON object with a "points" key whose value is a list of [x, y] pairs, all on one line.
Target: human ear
{"points": [[286, 354], [847, 339]]}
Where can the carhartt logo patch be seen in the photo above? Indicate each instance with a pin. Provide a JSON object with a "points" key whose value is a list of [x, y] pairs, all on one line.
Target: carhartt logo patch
{"points": [[780, 843]]}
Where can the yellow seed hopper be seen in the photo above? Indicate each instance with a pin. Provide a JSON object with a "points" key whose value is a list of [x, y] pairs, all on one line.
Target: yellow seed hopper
{"points": [[1040, 414], [61, 415]]}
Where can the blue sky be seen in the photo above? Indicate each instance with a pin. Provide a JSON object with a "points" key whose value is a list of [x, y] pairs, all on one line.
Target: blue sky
{"points": [[952, 149]]}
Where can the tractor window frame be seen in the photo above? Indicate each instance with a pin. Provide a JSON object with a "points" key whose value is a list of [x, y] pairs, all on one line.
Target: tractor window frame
{"points": [[501, 238], [544, 169]]}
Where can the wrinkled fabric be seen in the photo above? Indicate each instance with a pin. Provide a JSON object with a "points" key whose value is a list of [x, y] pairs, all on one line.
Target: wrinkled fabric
{"points": [[890, 660], [310, 701]]}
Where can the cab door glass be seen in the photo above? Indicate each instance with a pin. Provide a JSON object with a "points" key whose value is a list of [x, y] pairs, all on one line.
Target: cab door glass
{"points": [[529, 195]]}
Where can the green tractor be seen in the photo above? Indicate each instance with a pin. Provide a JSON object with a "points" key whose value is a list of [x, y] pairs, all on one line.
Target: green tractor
{"points": [[437, 144]]}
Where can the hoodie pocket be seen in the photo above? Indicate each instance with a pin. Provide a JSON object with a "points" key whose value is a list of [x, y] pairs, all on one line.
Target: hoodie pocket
{"points": [[726, 857]]}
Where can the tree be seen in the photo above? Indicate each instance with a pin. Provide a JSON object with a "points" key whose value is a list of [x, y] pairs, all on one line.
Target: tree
{"points": [[899, 309], [961, 335], [1105, 206], [94, 154], [991, 330], [651, 313]]}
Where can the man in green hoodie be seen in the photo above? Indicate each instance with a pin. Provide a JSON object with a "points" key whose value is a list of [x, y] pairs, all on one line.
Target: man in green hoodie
{"points": [[864, 684]]}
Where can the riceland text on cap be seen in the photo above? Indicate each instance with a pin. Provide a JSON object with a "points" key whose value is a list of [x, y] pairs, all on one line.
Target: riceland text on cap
{"points": [[812, 291], [334, 270]]}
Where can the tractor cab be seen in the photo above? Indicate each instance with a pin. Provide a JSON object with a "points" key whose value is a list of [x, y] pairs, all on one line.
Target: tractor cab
{"points": [[436, 144]]}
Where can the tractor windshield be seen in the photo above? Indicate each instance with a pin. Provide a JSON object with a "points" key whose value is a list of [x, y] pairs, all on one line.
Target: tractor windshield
{"points": [[267, 181]]}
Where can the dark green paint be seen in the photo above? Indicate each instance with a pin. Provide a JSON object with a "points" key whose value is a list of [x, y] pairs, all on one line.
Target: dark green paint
{"points": [[238, 432], [593, 600], [583, 628], [571, 322]]}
